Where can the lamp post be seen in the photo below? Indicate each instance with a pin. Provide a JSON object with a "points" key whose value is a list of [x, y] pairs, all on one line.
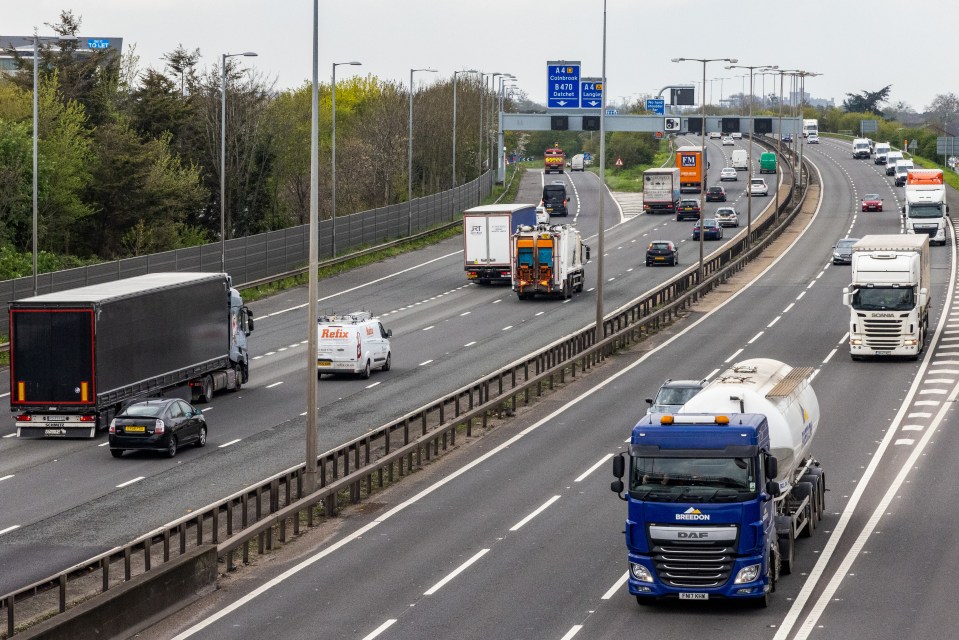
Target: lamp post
{"points": [[802, 75], [500, 138], [601, 234], [482, 123], [749, 154], [455, 73], [779, 143], [36, 120], [333, 152], [312, 331], [223, 153], [409, 161], [702, 157]]}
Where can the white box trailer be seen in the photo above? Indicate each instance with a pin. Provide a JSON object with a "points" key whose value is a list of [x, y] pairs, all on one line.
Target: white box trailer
{"points": [[487, 233]]}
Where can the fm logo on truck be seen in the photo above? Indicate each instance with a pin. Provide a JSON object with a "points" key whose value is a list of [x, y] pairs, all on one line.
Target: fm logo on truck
{"points": [[334, 333], [692, 513]]}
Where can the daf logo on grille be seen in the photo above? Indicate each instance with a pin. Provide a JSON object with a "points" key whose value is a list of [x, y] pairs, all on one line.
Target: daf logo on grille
{"points": [[697, 535]]}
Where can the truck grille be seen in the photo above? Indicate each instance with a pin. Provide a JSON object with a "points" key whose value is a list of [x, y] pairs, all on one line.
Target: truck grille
{"points": [[694, 566], [929, 230], [882, 333]]}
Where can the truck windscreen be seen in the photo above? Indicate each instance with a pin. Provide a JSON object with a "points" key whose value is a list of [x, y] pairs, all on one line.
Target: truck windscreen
{"points": [[884, 299], [693, 479], [925, 210]]}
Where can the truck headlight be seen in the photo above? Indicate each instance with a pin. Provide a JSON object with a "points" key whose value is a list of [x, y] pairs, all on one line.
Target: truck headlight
{"points": [[855, 341], [639, 572], [748, 574]]}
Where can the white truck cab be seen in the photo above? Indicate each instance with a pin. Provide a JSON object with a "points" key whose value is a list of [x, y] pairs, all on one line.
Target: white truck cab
{"points": [[354, 343]]}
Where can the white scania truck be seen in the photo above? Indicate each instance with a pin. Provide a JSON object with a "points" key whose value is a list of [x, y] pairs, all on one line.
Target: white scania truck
{"points": [[925, 209], [888, 297]]}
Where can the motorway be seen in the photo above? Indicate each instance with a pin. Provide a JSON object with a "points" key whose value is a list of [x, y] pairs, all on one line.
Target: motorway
{"points": [[65, 501], [520, 536]]}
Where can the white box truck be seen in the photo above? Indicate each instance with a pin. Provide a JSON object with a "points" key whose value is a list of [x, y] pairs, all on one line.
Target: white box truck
{"points": [[810, 126], [888, 297], [925, 209], [661, 190], [549, 260], [486, 239]]}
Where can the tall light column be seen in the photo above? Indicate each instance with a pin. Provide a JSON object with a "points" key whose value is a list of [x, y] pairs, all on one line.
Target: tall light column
{"points": [[500, 139], [309, 475], [409, 162], [702, 158], [333, 153], [453, 197], [601, 234], [749, 154], [223, 153], [36, 120]]}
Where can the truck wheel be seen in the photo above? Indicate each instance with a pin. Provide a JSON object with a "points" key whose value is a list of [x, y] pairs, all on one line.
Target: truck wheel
{"points": [[807, 490], [207, 390], [366, 371], [171, 447], [817, 477], [389, 362], [644, 601], [568, 288], [238, 376]]}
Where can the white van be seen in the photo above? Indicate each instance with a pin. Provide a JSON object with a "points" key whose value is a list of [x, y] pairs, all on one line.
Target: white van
{"points": [[352, 343], [891, 159], [882, 148], [578, 163], [740, 160]]}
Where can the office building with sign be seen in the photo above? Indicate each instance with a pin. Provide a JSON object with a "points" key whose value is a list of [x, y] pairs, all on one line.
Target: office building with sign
{"points": [[23, 46]]}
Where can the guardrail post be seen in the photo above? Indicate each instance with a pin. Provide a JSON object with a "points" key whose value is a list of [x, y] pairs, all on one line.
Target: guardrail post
{"points": [[126, 563], [105, 572], [216, 525], [147, 554], [63, 592], [10, 625], [199, 531]]}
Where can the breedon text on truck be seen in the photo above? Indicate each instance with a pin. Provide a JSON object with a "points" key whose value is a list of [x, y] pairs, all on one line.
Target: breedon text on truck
{"points": [[78, 356], [888, 297], [717, 493]]}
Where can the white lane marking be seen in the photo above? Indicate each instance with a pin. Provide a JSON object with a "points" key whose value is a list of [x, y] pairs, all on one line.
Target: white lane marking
{"points": [[380, 629], [572, 632], [129, 482], [843, 340], [904, 441], [712, 373], [586, 473], [282, 349], [227, 444], [275, 384], [831, 354], [810, 285], [6, 477], [543, 507], [470, 344], [539, 314], [9, 529], [205, 409], [913, 427], [735, 355], [756, 337], [460, 569], [105, 444], [257, 357], [429, 327], [423, 364], [370, 386], [466, 313], [10, 435], [791, 305], [939, 381], [616, 586], [775, 320], [799, 297], [941, 371], [934, 391], [4, 395], [926, 403], [508, 327], [497, 301], [919, 414]]}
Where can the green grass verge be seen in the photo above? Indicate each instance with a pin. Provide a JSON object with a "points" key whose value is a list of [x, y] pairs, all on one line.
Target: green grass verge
{"points": [[632, 179]]}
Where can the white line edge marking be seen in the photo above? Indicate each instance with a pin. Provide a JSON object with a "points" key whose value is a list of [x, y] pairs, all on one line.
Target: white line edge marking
{"points": [[275, 384], [359, 533], [458, 570], [543, 507], [370, 386], [732, 357], [9, 529], [227, 444], [572, 632], [470, 344], [129, 482], [423, 364], [616, 586], [586, 473], [380, 629], [6, 477]]}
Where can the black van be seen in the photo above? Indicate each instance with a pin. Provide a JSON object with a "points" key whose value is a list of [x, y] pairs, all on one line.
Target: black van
{"points": [[555, 199]]}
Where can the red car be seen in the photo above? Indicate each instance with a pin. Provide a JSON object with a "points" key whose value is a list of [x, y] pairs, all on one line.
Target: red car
{"points": [[871, 202]]}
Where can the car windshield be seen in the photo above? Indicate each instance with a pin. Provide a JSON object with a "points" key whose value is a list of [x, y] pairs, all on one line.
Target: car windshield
{"points": [[871, 196], [143, 410], [675, 395], [757, 181], [846, 244], [883, 298], [693, 479], [554, 192], [715, 189]]}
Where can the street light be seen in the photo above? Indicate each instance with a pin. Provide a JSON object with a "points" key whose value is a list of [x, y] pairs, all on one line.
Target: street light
{"points": [[36, 54], [779, 143], [702, 157], [482, 123], [312, 331], [248, 54], [409, 163], [749, 154], [333, 110], [500, 157], [455, 73]]}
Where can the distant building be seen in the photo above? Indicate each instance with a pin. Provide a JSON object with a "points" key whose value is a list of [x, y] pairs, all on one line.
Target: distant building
{"points": [[23, 45]]}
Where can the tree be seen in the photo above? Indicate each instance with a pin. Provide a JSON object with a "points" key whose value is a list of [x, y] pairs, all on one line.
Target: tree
{"points": [[867, 101], [183, 63], [944, 111], [156, 107]]}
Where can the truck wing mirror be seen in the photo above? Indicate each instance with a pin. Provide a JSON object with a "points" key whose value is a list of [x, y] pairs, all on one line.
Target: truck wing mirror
{"points": [[619, 466], [649, 401], [772, 488], [389, 333], [617, 487], [846, 296], [586, 246], [772, 467]]}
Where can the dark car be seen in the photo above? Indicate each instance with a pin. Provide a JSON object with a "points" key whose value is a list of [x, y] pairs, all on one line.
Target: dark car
{"points": [[688, 210], [871, 202], [555, 199], [662, 252], [787, 137], [673, 395], [842, 252], [712, 230], [716, 194], [160, 424]]}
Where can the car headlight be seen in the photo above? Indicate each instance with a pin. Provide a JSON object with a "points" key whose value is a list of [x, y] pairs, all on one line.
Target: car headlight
{"points": [[748, 574], [639, 572]]}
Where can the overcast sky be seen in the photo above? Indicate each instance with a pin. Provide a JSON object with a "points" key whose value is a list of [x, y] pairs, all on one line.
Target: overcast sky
{"points": [[856, 45]]}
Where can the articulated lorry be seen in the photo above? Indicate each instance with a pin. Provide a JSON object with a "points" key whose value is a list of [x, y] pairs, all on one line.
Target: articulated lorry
{"points": [[888, 297], [78, 356], [661, 190], [691, 165], [548, 260], [717, 493], [926, 209], [487, 244]]}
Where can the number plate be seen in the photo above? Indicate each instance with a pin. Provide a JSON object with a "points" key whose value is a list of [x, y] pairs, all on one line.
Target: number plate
{"points": [[134, 429], [659, 258], [883, 353], [323, 363], [694, 596]]}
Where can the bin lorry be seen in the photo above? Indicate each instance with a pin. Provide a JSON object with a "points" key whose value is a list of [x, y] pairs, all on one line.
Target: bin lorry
{"points": [[78, 356], [548, 260], [486, 239], [925, 209], [691, 165], [888, 297], [661, 190], [554, 160], [717, 493]]}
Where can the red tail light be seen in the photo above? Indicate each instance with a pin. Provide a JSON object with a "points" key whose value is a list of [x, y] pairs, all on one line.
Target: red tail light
{"points": [[359, 347], [160, 427], [24, 417], [88, 418]]}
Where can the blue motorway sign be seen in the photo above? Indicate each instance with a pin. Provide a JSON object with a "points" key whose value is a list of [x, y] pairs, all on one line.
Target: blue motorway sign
{"points": [[591, 93], [562, 87], [587, 156], [656, 105], [612, 112]]}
